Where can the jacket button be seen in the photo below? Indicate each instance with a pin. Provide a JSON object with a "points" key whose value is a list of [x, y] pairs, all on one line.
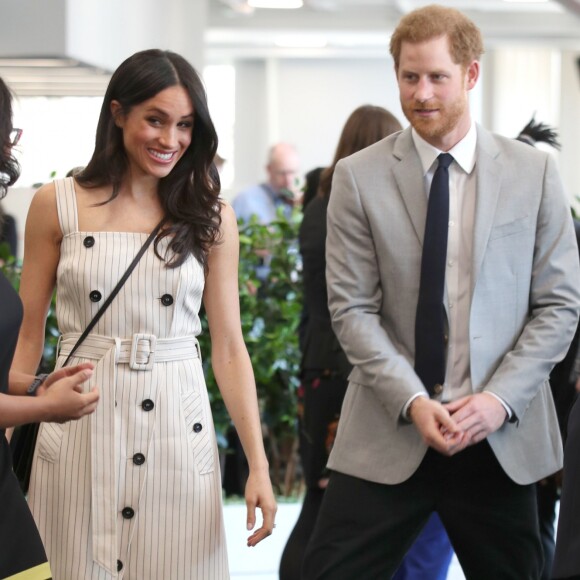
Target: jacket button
{"points": [[119, 565], [128, 513], [138, 459], [95, 296], [197, 427], [438, 389], [147, 405], [167, 300], [89, 242]]}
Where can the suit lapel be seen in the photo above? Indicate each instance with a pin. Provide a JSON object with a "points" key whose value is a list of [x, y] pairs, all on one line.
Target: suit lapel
{"points": [[488, 185], [408, 174]]}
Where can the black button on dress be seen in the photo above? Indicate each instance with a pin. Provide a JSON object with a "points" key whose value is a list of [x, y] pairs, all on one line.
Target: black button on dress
{"points": [[167, 300], [95, 296], [147, 405]]}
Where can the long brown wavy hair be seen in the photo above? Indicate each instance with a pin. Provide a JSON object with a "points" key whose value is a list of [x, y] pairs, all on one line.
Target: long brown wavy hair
{"points": [[365, 126], [189, 194]]}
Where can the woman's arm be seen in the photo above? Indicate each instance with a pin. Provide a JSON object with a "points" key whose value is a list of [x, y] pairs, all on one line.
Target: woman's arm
{"points": [[61, 400], [41, 254], [233, 370]]}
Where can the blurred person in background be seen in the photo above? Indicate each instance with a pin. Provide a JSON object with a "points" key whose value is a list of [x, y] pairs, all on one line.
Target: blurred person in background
{"points": [[279, 191]]}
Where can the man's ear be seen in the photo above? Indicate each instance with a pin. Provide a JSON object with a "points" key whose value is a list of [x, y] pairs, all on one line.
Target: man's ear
{"points": [[117, 113], [472, 74]]}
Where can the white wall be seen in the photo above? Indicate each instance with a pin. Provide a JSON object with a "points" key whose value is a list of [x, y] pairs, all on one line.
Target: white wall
{"points": [[526, 80], [544, 81], [305, 102], [16, 203], [26, 30], [569, 125], [250, 131], [105, 32], [316, 97]]}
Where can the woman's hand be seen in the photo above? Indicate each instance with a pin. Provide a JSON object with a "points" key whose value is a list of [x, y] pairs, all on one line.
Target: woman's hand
{"points": [[61, 374], [259, 494], [63, 395]]}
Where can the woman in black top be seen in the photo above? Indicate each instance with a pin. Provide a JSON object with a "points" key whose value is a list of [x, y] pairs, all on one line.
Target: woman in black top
{"points": [[56, 398]]}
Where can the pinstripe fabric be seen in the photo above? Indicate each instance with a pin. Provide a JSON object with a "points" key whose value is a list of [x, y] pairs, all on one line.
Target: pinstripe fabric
{"points": [[86, 473]]}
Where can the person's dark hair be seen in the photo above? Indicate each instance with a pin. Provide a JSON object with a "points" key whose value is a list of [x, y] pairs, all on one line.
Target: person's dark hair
{"points": [[311, 186], [538, 132], [434, 21], [189, 194], [9, 168], [365, 126]]}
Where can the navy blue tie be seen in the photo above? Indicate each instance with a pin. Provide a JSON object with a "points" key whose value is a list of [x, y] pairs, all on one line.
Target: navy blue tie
{"points": [[430, 320]]}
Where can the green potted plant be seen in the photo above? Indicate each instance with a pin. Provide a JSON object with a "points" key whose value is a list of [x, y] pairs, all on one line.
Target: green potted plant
{"points": [[270, 309]]}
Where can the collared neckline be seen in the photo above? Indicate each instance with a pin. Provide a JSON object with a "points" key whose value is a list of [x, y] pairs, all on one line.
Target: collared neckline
{"points": [[463, 152]]}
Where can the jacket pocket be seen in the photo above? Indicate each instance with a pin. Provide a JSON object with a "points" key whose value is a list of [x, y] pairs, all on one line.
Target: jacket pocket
{"points": [[510, 228], [50, 441], [198, 431]]}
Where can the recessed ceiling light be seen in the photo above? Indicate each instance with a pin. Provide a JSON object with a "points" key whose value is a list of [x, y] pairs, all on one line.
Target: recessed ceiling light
{"points": [[283, 4]]}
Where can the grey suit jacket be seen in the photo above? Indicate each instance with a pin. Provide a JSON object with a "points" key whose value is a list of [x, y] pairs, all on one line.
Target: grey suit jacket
{"points": [[524, 304]]}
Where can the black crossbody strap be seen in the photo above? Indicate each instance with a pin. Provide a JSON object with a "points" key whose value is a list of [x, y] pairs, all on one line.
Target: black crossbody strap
{"points": [[114, 292]]}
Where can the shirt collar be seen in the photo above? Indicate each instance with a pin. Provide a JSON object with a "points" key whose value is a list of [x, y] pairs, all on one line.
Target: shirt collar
{"points": [[463, 152], [275, 196]]}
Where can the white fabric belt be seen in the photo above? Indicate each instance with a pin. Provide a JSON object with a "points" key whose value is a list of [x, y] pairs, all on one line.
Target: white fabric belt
{"points": [[140, 352]]}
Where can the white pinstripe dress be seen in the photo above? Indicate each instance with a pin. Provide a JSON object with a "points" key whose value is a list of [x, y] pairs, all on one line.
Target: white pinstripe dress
{"points": [[133, 491]]}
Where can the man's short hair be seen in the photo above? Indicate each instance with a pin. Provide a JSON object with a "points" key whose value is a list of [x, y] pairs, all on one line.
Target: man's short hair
{"points": [[434, 21]]}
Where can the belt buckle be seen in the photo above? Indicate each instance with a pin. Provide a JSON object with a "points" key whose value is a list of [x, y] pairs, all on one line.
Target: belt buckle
{"points": [[138, 337]]}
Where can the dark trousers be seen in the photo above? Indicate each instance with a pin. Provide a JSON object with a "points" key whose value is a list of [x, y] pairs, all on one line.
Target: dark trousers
{"points": [[364, 529], [293, 554], [567, 556]]}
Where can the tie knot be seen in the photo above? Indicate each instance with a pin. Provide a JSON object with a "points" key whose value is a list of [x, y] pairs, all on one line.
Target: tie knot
{"points": [[445, 160]]}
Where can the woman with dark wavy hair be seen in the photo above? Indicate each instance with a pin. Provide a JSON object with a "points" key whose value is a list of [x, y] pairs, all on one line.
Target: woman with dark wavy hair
{"points": [[135, 491], [21, 552]]}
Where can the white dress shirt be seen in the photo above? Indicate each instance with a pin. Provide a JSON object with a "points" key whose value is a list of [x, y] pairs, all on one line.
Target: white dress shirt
{"points": [[462, 195]]}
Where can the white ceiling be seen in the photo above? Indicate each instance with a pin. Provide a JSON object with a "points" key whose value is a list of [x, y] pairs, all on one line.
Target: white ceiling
{"points": [[362, 27], [321, 29]]}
